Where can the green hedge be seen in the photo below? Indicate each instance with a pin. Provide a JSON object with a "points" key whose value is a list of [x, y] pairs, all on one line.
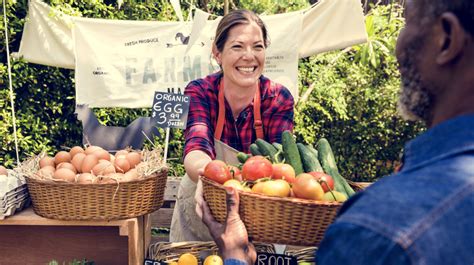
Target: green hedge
{"points": [[352, 103]]}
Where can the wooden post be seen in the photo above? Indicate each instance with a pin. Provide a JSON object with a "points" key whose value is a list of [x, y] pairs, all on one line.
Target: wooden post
{"points": [[226, 7]]}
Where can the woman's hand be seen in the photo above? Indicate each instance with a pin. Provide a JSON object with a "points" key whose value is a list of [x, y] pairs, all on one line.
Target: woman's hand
{"points": [[195, 162], [231, 237]]}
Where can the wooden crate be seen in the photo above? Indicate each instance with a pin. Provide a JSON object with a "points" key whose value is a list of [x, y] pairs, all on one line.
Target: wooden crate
{"points": [[31, 239]]}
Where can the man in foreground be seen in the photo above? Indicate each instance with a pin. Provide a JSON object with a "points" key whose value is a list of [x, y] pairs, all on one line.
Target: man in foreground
{"points": [[423, 214]]}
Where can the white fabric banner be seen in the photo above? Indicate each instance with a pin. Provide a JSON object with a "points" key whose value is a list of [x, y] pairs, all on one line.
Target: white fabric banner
{"points": [[124, 67], [332, 25], [47, 36], [121, 63]]}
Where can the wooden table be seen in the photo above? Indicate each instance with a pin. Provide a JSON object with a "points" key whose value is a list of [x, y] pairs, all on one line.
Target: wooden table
{"points": [[26, 238]]}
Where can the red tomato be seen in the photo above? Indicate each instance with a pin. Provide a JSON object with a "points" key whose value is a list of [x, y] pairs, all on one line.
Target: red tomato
{"points": [[307, 187], [218, 171], [283, 171], [235, 172], [257, 168], [321, 178], [255, 157], [278, 188]]}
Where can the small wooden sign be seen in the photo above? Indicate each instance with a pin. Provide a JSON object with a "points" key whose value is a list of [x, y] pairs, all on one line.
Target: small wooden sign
{"points": [[170, 110]]}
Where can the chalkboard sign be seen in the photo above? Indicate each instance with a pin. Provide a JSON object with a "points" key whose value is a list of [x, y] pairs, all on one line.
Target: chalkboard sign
{"points": [[170, 110], [262, 259], [152, 262], [275, 259]]}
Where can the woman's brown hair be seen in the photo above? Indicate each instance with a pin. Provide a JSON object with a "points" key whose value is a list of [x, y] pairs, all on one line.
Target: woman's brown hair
{"points": [[235, 18]]}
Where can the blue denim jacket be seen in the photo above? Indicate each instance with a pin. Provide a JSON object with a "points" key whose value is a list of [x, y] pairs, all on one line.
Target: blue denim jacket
{"points": [[234, 262], [422, 215]]}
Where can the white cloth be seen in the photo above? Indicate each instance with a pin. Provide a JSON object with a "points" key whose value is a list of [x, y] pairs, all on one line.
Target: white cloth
{"points": [[154, 56], [121, 63], [332, 25], [186, 224], [47, 36]]}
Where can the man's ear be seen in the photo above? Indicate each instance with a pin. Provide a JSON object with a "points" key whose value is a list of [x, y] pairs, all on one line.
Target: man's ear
{"points": [[451, 38]]}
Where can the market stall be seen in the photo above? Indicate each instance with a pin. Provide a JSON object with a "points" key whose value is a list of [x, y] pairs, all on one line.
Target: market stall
{"points": [[95, 202]]}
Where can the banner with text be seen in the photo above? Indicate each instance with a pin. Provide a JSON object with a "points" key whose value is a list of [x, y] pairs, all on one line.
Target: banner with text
{"points": [[125, 67]]}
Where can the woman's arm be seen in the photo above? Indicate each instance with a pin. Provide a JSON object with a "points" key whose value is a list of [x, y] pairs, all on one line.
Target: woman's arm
{"points": [[194, 163], [199, 144]]}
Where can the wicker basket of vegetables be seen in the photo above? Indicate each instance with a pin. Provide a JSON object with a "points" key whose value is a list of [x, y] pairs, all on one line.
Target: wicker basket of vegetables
{"points": [[288, 203]]}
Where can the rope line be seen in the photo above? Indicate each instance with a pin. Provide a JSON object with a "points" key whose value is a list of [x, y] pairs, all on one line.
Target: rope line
{"points": [[10, 82]]}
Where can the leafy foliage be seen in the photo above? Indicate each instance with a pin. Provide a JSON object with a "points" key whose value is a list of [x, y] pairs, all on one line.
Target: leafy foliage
{"points": [[349, 96], [273, 6], [352, 101], [45, 97]]}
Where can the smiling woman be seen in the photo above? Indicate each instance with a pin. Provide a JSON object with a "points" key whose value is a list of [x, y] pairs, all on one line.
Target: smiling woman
{"points": [[230, 108]]}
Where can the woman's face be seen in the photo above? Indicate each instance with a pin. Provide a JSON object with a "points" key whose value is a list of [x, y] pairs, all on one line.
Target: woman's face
{"points": [[243, 56]]}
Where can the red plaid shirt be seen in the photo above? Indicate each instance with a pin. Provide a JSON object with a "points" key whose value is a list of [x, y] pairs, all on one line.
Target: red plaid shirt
{"points": [[277, 116]]}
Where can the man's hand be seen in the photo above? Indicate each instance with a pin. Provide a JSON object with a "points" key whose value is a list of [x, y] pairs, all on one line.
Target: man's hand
{"points": [[231, 237]]}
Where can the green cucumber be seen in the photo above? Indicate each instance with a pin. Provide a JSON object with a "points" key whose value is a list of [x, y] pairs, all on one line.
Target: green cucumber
{"points": [[242, 157], [266, 149], [314, 151], [291, 153], [328, 163], [254, 150], [278, 146], [309, 161]]}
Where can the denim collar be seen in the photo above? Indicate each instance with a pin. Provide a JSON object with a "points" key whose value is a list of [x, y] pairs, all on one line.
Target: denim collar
{"points": [[451, 137]]}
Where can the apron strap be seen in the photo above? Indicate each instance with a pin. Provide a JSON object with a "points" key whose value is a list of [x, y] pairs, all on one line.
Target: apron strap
{"points": [[221, 117], [257, 117]]}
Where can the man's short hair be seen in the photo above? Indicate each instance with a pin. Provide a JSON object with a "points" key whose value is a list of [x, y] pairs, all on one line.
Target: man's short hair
{"points": [[463, 9]]}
